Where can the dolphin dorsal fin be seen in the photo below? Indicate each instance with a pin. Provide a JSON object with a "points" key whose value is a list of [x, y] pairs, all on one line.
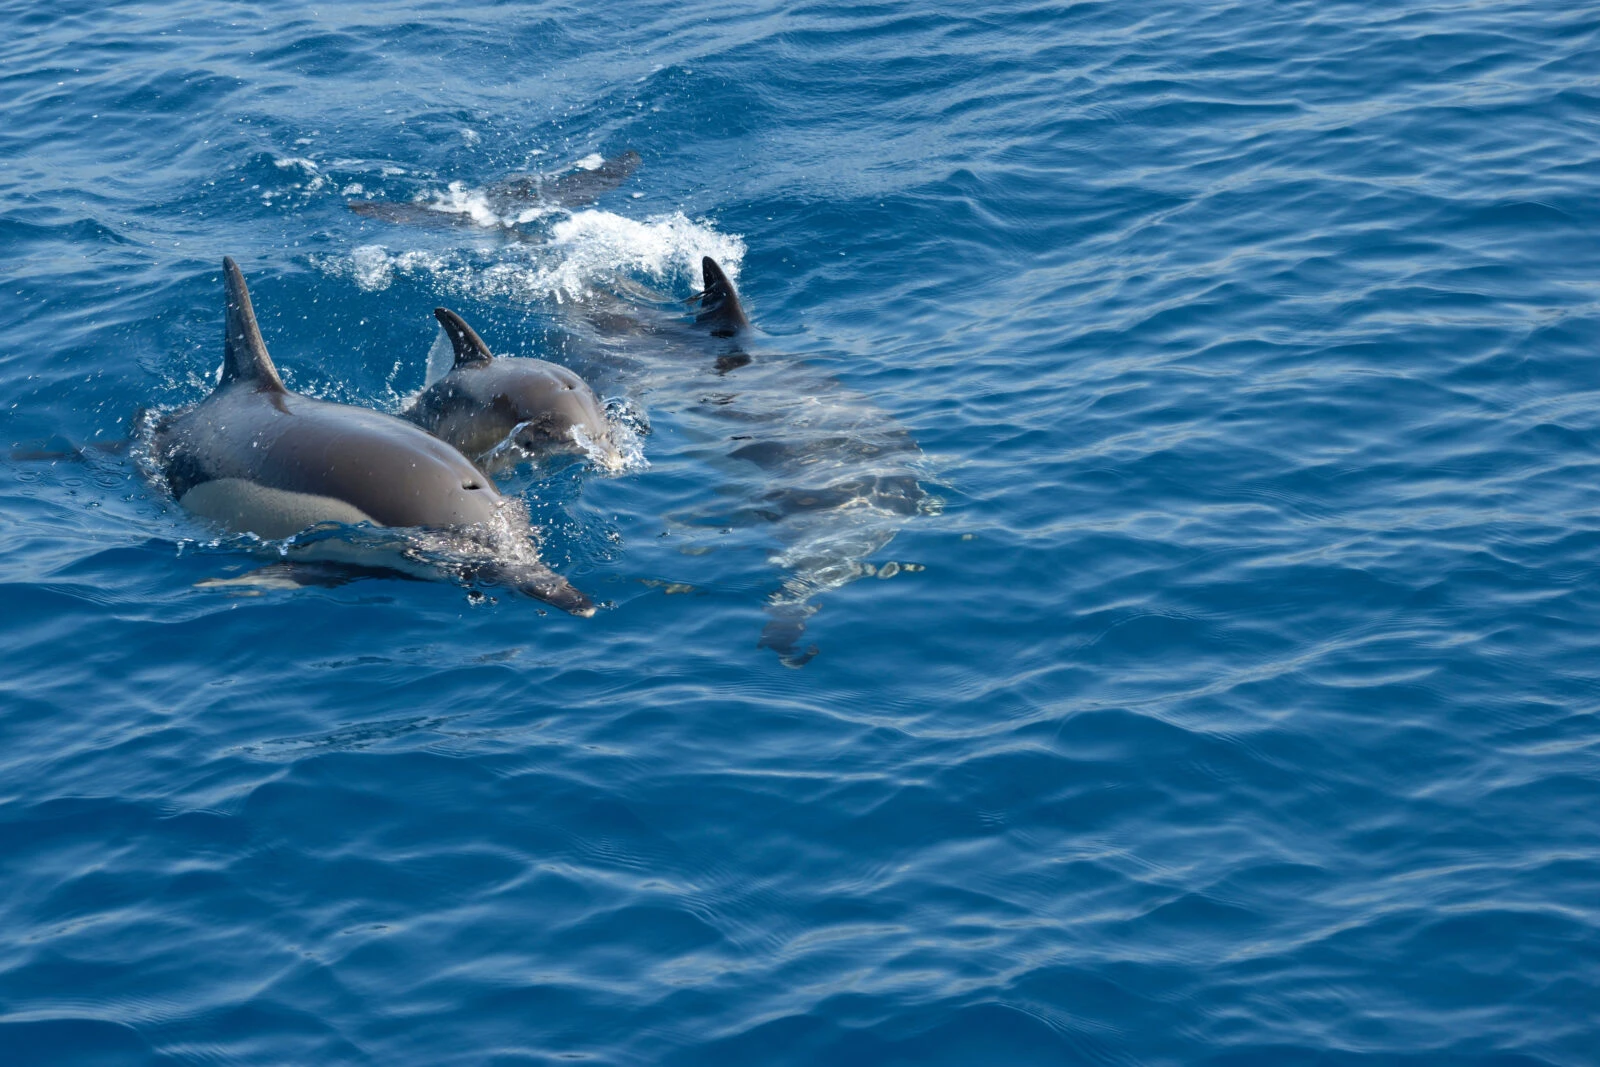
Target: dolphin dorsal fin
{"points": [[244, 353], [719, 304], [468, 345]]}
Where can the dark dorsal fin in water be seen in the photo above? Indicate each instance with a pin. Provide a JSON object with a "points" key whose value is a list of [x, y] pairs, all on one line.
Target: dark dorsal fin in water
{"points": [[244, 353], [463, 338], [719, 304]]}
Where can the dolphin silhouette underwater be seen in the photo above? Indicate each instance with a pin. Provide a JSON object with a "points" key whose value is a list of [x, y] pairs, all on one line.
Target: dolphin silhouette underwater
{"points": [[837, 484], [831, 477], [253, 457], [496, 410]]}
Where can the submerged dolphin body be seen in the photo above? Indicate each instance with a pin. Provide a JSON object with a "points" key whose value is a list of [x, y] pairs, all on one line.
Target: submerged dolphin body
{"points": [[510, 198], [485, 405], [254, 457], [829, 475]]}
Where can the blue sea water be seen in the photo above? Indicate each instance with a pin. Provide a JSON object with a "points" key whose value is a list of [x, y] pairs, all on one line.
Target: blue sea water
{"points": [[1233, 700]]}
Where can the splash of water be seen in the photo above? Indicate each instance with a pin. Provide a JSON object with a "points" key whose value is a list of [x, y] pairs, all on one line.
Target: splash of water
{"points": [[584, 250]]}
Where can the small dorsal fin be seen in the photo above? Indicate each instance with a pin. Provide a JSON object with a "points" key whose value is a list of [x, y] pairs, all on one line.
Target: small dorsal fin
{"points": [[719, 304], [468, 345], [244, 353]]}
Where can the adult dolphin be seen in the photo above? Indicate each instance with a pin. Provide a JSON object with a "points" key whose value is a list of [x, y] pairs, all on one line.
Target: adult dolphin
{"points": [[498, 410], [254, 457], [829, 475]]}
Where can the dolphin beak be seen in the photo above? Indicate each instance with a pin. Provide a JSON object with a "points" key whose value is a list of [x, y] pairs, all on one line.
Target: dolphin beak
{"points": [[542, 583], [558, 592], [562, 594]]}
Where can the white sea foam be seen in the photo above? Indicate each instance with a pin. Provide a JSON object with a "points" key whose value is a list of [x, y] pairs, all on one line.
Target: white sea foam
{"points": [[371, 267], [628, 425], [457, 199], [314, 177], [585, 250], [599, 244]]}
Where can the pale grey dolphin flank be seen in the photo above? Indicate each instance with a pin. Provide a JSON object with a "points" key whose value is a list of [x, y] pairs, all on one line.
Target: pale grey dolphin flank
{"points": [[485, 404], [255, 458]]}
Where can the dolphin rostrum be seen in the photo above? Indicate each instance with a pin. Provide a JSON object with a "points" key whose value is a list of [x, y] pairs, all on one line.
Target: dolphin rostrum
{"points": [[484, 405], [254, 457]]}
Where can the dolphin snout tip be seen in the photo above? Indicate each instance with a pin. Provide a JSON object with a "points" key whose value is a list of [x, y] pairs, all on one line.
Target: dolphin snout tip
{"points": [[571, 600]]}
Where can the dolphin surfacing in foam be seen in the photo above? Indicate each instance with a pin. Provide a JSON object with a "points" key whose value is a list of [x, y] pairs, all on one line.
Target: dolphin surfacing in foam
{"points": [[485, 404], [511, 196], [254, 457]]}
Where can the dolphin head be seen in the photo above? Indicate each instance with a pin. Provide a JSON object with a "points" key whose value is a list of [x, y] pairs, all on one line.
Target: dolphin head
{"points": [[556, 411]]}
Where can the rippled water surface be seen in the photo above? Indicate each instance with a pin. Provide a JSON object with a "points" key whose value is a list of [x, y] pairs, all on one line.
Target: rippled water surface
{"points": [[1214, 383]]}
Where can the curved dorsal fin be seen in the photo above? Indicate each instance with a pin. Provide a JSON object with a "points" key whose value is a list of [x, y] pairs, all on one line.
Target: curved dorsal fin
{"points": [[463, 338], [719, 304], [244, 353]]}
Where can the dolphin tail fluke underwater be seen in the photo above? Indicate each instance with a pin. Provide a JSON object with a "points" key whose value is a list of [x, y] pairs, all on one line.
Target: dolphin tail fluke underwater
{"points": [[785, 628], [719, 302]]}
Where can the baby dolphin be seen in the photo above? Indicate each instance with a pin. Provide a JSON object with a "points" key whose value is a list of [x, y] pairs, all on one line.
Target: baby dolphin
{"points": [[485, 403], [254, 457]]}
